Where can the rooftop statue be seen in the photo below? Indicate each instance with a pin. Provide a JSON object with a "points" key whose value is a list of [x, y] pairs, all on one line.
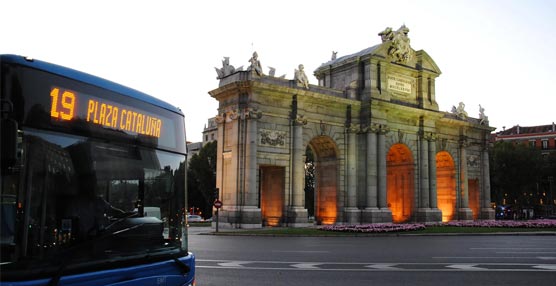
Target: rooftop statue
{"points": [[301, 78], [460, 111], [255, 64], [400, 49], [386, 35], [272, 73], [227, 69], [482, 116]]}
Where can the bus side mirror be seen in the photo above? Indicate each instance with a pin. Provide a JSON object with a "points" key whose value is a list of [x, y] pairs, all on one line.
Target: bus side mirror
{"points": [[8, 146]]}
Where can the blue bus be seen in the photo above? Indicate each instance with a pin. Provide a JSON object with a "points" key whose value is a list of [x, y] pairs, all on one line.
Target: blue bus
{"points": [[92, 182]]}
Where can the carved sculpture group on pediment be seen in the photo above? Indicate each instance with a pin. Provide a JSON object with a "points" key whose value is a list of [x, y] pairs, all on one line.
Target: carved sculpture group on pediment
{"points": [[399, 49]]}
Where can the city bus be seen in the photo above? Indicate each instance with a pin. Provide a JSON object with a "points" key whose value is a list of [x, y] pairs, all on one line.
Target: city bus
{"points": [[93, 181]]}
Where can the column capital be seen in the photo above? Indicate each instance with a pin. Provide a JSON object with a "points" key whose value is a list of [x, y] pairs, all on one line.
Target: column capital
{"points": [[376, 128], [299, 120], [430, 136], [220, 118], [227, 116], [252, 113], [383, 129], [353, 128], [463, 142], [371, 128]]}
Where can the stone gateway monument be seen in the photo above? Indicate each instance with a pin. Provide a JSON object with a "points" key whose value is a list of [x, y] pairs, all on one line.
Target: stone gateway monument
{"points": [[379, 148]]}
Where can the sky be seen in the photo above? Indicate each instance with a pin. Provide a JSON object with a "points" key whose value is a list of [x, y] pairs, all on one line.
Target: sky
{"points": [[500, 54]]}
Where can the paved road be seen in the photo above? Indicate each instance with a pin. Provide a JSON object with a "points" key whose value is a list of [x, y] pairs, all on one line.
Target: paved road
{"points": [[404, 260]]}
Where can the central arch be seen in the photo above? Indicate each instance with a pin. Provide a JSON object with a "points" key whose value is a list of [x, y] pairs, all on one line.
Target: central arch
{"points": [[400, 182], [323, 151], [446, 185]]}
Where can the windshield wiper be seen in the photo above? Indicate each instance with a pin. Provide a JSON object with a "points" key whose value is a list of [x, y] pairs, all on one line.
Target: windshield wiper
{"points": [[56, 278], [123, 218]]}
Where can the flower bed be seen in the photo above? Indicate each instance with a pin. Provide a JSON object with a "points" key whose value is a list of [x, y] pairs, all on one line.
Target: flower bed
{"points": [[539, 223], [374, 228], [390, 227]]}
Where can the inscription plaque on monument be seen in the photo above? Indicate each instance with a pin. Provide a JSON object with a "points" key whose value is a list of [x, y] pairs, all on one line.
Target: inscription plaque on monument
{"points": [[400, 84]]}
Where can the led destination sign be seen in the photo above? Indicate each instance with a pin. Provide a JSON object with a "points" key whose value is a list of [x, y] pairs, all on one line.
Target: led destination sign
{"points": [[67, 105]]}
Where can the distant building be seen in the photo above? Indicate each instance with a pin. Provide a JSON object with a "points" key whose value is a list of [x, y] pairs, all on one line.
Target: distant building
{"points": [[193, 148], [542, 137], [210, 133]]}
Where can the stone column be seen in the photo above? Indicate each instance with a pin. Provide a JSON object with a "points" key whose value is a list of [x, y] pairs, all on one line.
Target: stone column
{"points": [[433, 198], [435, 213], [228, 177], [297, 213], [424, 173], [251, 213], [297, 166], [371, 213], [486, 211], [372, 168], [351, 211], [386, 213], [219, 152], [464, 211], [381, 148], [427, 211]]}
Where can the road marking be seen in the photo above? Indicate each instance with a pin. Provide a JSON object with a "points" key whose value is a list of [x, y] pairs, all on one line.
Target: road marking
{"points": [[494, 257], [512, 248], [374, 267], [300, 251], [547, 257], [238, 264], [306, 265], [466, 267], [525, 252], [383, 266], [546, 266]]}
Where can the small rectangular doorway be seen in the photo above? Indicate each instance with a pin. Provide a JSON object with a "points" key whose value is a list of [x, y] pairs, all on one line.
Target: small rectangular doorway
{"points": [[272, 194]]}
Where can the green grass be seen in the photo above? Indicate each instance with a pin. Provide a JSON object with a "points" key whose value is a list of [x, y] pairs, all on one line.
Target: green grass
{"points": [[278, 231]]}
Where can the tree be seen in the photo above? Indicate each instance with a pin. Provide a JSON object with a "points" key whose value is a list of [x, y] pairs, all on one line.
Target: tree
{"points": [[515, 171], [310, 181], [201, 179]]}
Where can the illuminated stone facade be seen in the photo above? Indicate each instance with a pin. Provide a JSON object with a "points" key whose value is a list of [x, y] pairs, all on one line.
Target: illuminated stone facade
{"points": [[382, 150]]}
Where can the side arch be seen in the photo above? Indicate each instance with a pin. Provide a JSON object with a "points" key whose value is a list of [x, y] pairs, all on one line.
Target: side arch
{"points": [[446, 185], [324, 151]]}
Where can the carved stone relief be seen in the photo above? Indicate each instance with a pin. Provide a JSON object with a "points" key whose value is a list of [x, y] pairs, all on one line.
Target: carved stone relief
{"points": [[272, 138]]}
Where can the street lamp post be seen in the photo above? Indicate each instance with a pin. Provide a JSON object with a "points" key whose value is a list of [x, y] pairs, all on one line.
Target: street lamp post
{"points": [[550, 196]]}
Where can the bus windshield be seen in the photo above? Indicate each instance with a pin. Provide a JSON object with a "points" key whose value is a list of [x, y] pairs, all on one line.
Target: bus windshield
{"points": [[82, 196]]}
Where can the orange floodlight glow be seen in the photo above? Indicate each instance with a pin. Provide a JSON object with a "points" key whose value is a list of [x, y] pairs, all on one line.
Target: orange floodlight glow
{"points": [[446, 185], [400, 182]]}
